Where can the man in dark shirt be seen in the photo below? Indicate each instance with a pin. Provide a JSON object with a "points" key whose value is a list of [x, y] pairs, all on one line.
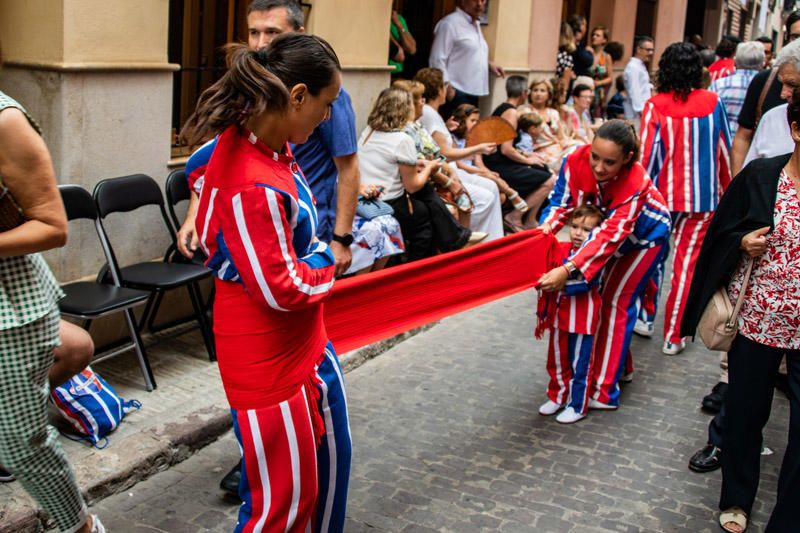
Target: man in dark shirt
{"points": [[748, 118]]}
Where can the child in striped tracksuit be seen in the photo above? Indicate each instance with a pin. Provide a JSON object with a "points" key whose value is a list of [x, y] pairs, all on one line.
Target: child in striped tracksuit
{"points": [[569, 355]]}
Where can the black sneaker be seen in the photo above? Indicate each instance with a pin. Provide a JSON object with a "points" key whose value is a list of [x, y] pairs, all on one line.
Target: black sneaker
{"points": [[706, 460], [230, 483], [712, 402], [6, 476]]}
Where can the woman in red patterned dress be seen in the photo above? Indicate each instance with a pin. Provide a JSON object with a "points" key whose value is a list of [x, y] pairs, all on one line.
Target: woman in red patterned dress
{"points": [[758, 219]]}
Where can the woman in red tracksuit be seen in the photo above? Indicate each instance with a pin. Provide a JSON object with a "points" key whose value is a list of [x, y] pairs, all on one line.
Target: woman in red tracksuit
{"points": [[627, 246], [256, 221]]}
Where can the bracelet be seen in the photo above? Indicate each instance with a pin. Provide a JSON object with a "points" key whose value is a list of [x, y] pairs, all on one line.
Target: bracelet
{"points": [[569, 274], [448, 182]]}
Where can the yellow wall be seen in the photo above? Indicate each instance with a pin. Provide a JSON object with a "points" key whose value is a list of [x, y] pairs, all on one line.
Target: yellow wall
{"points": [[111, 31], [84, 32], [357, 29], [32, 30], [507, 33], [545, 24]]}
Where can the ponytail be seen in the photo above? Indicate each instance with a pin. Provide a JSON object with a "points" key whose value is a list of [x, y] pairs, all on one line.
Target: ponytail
{"points": [[623, 134], [257, 81]]}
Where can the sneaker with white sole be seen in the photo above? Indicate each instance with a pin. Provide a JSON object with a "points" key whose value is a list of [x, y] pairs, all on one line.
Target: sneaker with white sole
{"points": [[569, 416], [671, 348], [6, 476], [594, 404], [97, 525], [549, 408], [643, 329]]}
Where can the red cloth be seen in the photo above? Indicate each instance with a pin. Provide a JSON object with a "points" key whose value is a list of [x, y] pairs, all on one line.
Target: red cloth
{"points": [[366, 309]]}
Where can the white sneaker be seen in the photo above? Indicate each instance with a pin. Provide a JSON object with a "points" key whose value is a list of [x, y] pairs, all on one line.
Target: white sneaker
{"points": [[594, 404], [549, 408], [670, 348], [643, 329], [569, 416], [626, 378], [97, 525]]}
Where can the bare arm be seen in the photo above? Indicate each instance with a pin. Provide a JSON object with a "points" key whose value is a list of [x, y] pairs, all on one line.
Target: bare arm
{"points": [[414, 180], [187, 234], [741, 144], [454, 154], [27, 171], [346, 200], [407, 40]]}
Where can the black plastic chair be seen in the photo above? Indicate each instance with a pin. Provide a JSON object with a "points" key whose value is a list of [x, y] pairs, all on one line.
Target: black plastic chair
{"points": [[128, 193], [89, 300]]}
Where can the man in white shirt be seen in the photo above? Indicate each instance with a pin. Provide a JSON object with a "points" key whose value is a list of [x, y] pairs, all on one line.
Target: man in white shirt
{"points": [[460, 51], [637, 78]]}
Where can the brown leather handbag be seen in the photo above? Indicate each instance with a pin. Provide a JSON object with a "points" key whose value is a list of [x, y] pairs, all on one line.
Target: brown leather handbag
{"points": [[718, 327], [11, 215]]}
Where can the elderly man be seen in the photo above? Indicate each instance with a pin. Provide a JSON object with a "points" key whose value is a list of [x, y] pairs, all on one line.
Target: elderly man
{"points": [[462, 54], [733, 88], [329, 151], [637, 78]]}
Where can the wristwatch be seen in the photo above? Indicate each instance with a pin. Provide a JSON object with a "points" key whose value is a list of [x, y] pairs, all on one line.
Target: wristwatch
{"points": [[344, 240], [571, 268]]}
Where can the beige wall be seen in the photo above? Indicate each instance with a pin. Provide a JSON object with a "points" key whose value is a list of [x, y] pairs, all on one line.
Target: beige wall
{"points": [[545, 23], [669, 26], [363, 85], [357, 29], [32, 30], [115, 31], [508, 33], [619, 17]]}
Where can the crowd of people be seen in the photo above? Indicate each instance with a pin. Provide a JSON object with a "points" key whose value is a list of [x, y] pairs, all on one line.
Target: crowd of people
{"points": [[287, 196]]}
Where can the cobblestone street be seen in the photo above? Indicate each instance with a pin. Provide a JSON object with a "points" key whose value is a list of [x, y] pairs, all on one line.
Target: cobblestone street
{"points": [[447, 438]]}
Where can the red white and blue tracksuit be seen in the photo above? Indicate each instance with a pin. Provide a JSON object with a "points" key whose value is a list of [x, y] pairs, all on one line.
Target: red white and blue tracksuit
{"points": [[685, 149], [256, 222], [569, 355], [626, 247]]}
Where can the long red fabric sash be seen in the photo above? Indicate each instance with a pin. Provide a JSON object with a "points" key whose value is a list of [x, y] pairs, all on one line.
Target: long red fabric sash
{"points": [[369, 308]]}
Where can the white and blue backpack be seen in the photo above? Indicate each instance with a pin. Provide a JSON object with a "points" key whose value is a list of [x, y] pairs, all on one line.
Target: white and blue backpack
{"points": [[91, 407]]}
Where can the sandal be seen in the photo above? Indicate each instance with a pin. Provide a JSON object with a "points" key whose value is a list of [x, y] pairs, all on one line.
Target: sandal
{"points": [[511, 226], [733, 515], [518, 203]]}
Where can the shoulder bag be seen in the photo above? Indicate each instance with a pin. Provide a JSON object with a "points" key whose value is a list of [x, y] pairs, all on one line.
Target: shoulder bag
{"points": [[718, 327]]}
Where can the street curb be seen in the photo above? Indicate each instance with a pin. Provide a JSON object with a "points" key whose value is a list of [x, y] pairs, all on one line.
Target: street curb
{"points": [[168, 444]]}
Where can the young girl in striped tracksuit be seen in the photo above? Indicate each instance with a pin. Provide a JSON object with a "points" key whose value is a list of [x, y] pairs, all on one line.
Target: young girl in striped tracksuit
{"points": [[256, 223], [627, 246], [569, 355], [685, 149]]}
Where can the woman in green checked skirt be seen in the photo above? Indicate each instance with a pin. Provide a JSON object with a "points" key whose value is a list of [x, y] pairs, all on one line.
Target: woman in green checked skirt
{"points": [[29, 324]]}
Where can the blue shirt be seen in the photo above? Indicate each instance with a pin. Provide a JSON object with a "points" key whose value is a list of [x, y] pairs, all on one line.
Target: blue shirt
{"points": [[335, 137]]}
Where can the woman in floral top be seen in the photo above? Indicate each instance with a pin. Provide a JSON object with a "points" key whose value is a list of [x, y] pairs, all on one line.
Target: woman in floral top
{"points": [[757, 219]]}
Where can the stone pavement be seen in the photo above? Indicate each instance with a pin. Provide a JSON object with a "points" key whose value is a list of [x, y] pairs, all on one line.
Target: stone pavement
{"points": [[447, 438]]}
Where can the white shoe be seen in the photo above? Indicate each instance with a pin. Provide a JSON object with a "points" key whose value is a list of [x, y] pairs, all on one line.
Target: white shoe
{"points": [[643, 329], [475, 238], [569, 416], [97, 525], [670, 348], [626, 378], [594, 404], [549, 408]]}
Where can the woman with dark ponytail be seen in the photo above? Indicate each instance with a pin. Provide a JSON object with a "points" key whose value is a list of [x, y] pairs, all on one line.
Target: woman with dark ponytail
{"points": [[627, 246], [256, 222]]}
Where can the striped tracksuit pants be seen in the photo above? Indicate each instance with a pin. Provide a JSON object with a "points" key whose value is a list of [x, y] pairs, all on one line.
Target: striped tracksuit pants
{"points": [[624, 281], [569, 363], [288, 483], [689, 230]]}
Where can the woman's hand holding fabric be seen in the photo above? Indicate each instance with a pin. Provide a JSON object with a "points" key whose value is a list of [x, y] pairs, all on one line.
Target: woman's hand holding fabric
{"points": [[554, 280], [755, 242]]}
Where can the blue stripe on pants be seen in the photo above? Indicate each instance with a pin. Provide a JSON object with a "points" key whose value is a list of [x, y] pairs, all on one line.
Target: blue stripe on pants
{"points": [[334, 454], [580, 351]]}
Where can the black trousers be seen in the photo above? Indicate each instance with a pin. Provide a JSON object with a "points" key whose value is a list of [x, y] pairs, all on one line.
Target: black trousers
{"points": [[460, 97], [428, 226], [752, 368]]}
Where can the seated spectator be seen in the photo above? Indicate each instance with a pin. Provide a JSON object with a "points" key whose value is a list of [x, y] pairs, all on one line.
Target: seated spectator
{"points": [[465, 117], [554, 142], [487, 213], [529, 174], [578, 120], [375, 239], [530, 127], [616, 105], [387, 158]]}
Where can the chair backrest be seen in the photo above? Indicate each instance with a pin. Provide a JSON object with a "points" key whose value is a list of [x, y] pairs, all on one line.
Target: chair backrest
{"points": [[177, 190], [120, 195], [78, 202]]}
